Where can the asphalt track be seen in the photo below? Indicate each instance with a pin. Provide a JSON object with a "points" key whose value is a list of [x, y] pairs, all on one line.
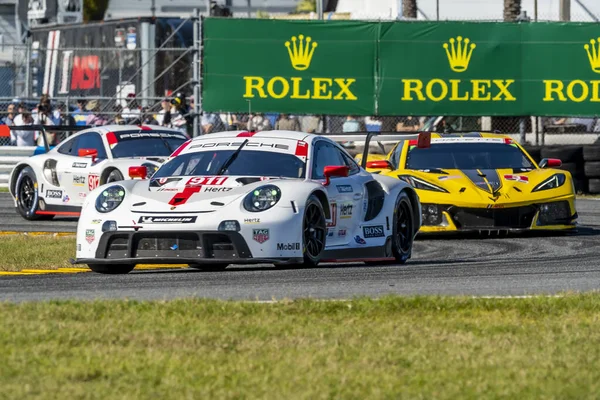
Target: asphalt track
{"points": [[478, 266]]}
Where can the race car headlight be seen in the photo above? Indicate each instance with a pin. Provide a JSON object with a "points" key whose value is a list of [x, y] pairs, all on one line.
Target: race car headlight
{"points": [[262, 198], [421, 184], [151, 169], [553, 182], [110, 198]]}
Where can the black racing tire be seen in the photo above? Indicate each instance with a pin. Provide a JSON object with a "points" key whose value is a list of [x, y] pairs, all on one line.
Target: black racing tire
{"points": [[403, 229], [112, 269], [114, 176], [209, 267], [591, 152], [594, 186], [27, 195], [592, 169], [567, 154], [314, 232]]}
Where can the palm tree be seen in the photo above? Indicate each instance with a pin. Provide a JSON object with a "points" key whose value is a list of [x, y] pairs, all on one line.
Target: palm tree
{"points": [[512, 9], [409, 8]]}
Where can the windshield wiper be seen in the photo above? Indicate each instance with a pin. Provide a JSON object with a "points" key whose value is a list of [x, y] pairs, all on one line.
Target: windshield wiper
{"points": [[231, 158], [167, 145]]}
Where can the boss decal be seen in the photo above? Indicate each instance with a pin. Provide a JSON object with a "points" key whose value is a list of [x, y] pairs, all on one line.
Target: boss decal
{"points": [[373, 231], [54, 194], [166, 220], [344, 188]]}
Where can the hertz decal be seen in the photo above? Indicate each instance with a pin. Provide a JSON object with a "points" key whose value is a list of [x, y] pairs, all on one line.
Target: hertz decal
{"points": [[301, 51], [459, 53]]}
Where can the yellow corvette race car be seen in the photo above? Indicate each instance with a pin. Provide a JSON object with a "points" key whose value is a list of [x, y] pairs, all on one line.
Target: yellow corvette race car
{"points": [[480, 182]]}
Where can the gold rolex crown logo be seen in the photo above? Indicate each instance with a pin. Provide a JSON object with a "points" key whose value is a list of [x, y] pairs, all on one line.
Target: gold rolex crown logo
{"points": [[459, 55], [300, 52], [593, 53]]}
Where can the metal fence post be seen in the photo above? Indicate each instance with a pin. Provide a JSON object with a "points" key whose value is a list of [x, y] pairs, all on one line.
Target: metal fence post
{"points": [[522, 129], [196, 73], [28, 49]]}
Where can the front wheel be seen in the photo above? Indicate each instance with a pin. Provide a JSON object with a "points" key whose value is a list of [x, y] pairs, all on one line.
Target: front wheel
{"points": [[403, 231], [27, 195], [112, 269], [114, 176], [314, 232]]}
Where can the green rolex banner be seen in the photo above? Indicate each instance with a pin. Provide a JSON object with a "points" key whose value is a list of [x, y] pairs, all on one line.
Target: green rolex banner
{"points": [[401, 68], [289, 66]]}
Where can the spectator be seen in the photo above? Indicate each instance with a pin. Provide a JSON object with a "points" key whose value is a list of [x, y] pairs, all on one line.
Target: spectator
{"points": [[118, 118], [95, 118], [311, 124], [287, 122], [353, 124], [43, 116], [147, 117], [181, 115], [10, 117], [211, 122], [163, 117], [132, 112], [409, 124], [259, 122], [23, 138], [79, 115]]}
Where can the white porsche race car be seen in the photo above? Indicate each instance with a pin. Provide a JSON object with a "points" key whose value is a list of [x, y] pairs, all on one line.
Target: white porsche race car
{"points": [[242, 197], [58, 181]]}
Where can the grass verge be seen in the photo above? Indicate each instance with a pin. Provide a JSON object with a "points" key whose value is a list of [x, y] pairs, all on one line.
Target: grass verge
{"points": [[19, 252], [425, 347], [3, 190]]}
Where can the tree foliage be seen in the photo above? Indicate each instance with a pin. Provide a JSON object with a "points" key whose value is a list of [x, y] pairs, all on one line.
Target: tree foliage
{"points": [[93, 10]]}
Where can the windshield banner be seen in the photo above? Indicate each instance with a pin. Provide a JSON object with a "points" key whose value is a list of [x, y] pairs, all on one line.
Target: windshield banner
{"points": [[401, 68]]}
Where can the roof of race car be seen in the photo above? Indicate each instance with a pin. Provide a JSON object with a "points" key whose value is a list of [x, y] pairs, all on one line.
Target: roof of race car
{"points": [[456, 137], [278, 134], [104, 129]]}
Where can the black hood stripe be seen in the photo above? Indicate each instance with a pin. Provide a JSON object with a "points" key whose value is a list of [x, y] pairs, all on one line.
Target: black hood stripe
{"points": [[484, 179]]}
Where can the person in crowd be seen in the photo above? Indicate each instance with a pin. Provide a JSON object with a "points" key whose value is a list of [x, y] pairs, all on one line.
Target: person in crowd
{"points": [[353, 124], [181, 116], [408, 124], [132, 112], [43, 116], [148, 117], [259, 122], [211, 122], [311, 124], [287, 122], [163, 117], [10, 116], [23, 138], [80, 115], [95, 117]]}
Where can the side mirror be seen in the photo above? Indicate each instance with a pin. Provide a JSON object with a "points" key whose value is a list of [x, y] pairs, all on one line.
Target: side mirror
{"points": [[335, 170], [379, 164], [424, 140], [138, 172], [87, 152], [550, 163]]}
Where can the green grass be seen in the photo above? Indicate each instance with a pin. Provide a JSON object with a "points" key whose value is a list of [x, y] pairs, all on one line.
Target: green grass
{"points": [[3, 190], [35, 252], [393, 348]]}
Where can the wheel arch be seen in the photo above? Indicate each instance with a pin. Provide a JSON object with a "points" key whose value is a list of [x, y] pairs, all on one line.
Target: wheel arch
{"points": [[322, 197], [106, 172], [14, 175], [414, 202]]}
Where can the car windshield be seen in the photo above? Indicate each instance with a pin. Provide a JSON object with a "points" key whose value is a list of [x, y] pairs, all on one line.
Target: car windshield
{"points": [[467, 156], [144, 145], [248, 163]]}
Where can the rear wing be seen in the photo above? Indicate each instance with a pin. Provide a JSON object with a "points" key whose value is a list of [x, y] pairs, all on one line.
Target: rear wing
{"points": [[423, 138], [5, 130]]}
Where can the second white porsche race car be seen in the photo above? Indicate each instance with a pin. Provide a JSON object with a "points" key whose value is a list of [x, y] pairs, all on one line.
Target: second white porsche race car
{"points": [[58, 181], [243, 197]]}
